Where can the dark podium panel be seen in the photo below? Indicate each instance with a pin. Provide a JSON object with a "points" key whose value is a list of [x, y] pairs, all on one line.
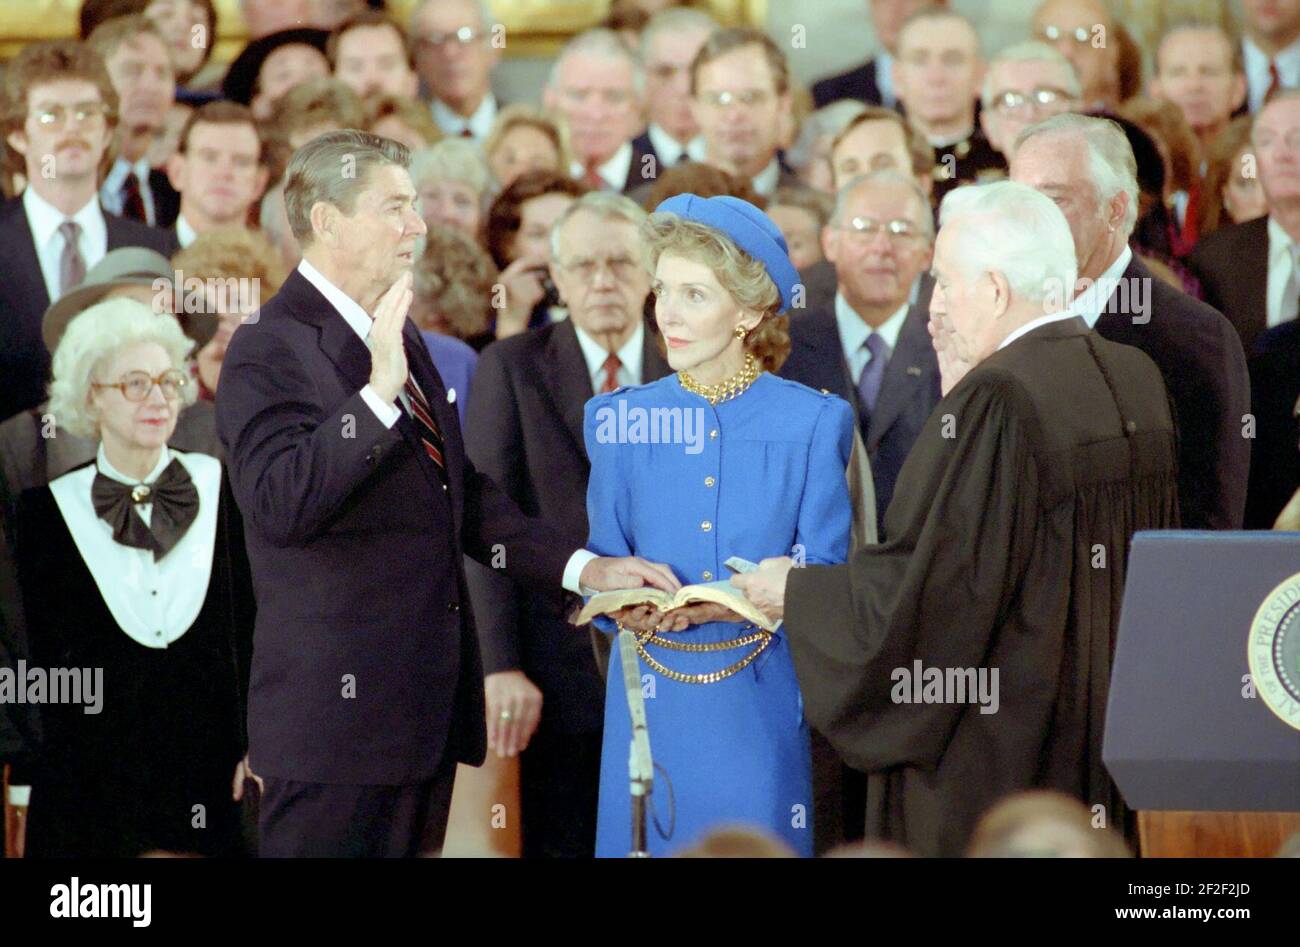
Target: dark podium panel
{"points": [[1182, 735]]}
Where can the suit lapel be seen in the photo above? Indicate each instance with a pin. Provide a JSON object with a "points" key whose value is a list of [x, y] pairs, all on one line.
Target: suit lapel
{"points": [[905, 375], [564, 379], [826, 365], [653, 364], [23, 269]]}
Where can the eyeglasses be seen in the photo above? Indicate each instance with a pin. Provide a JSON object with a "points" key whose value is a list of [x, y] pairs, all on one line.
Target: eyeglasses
{"points": [[462, 37], [82, 112], [746, 97], [612, 97], [136, 386], [1042, 97], [896, 231], [1080, 34], [586, 268], [1264, 138]]}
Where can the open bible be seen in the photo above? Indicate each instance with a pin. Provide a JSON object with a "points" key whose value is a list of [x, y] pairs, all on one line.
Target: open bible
{"points": [[721, 593]]}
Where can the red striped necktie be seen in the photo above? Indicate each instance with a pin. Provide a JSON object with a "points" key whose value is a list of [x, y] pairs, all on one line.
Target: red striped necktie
{"points": [[430, 434]]}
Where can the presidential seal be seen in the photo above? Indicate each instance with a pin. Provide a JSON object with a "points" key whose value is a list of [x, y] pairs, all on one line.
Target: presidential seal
{"points": [[1274, 651]]}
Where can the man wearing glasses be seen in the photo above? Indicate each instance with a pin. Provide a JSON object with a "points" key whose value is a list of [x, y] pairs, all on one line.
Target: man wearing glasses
{"points": [[1026, 83], [740, 85], [937, 73], [454, 56], [59, 115], [1083, 31]]}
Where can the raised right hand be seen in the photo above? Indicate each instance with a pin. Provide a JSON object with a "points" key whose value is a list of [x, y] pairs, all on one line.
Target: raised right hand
{"points": [[387, 356]]}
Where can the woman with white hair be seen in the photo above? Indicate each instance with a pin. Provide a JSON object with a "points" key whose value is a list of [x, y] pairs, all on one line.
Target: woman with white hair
{"points": [[452, 180], [132, 589]]}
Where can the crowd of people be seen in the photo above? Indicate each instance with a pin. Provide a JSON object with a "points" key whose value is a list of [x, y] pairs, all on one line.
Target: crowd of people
{"points": [[322, 553]]}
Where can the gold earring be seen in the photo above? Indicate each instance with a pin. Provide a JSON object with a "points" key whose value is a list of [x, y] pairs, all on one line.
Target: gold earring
{"points": [[741, 332]]}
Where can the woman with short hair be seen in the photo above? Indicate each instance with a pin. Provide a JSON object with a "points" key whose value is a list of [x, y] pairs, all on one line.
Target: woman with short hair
{"points": [[452, 182], [762, 474], [127, 567]]}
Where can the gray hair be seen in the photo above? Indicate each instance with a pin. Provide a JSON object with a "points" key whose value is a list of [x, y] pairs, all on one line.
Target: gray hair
{"points": [[1031, 51], [484, 16], [675, 20], [600, 43], [885, 176], [92, 338], [452, 159], [1015, 231], [604, 204], [1111, 164], [827, 121], [333, 168]]}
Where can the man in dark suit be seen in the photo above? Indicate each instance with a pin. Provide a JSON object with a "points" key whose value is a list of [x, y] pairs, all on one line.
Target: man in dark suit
{"points": [[347, 462], [1275, 450], [873, 81], [137, 60], [1251, 271], [524, 430], [869, 345], [1195, 348], [61, 105], [597, 84], [879, 243]]}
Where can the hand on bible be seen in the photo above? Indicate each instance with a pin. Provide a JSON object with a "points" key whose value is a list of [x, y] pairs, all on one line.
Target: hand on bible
{"points": [[638, 617], [766, 587], [606, 573], [679, 619], [387, 356], [954, 361]]}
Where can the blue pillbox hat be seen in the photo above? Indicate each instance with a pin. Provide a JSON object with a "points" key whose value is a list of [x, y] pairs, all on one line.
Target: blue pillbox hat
{"points": [[749, 228]]}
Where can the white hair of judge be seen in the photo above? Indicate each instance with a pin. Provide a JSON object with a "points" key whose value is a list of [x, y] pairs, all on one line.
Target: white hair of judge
{"points": [[1111, 164], [1012, 229]]}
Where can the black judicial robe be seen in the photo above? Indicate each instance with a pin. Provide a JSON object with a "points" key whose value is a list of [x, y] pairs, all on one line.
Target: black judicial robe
{"points": [[1009, 533]]}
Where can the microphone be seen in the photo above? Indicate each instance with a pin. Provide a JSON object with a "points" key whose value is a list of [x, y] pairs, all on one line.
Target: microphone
{"points": [[642, 764]]}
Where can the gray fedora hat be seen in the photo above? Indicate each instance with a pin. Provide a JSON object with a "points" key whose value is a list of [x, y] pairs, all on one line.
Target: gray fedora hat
{"points": [[125, 266]]}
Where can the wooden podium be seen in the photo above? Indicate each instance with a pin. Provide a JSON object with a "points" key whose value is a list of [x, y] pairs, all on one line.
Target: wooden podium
{"points": [[1203, 719]]}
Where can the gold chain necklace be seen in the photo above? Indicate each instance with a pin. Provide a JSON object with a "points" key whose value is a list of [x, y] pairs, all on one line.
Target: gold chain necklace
{"points": [[760, 637], [724, 391]]}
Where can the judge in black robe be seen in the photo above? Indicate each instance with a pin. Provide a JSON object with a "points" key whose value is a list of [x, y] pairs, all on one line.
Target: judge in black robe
{"points": [[1008, 539]]}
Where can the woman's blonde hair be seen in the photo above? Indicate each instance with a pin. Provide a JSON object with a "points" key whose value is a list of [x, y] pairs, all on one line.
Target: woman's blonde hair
{"points": [[91, 339], [745, 278]]}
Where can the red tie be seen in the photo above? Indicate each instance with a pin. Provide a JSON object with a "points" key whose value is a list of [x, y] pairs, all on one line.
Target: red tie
{"points": [[466, 133], [430, 435], [1274, 81], [592, 179], [133, 200], [611, 366]]}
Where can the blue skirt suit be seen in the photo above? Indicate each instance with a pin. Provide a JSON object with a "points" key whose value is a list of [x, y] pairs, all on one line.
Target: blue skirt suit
{"points": [[760, 475]]}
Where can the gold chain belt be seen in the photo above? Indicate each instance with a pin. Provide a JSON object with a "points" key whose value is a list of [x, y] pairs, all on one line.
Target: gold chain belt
{"points": [[761, 637]]}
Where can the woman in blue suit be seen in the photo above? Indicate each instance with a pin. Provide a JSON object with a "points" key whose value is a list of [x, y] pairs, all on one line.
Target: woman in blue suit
{"points": [[720, 459]]}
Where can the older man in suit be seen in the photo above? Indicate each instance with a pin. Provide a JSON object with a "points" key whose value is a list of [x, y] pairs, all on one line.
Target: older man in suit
{"points": [[347, 462], [1251, 271], [871, 346], [873, 81], [524, 430], [59, 108], [1195, 348]]}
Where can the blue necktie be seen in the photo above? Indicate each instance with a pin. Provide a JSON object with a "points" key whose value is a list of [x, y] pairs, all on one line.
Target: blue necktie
{"points": [[874, 372]]}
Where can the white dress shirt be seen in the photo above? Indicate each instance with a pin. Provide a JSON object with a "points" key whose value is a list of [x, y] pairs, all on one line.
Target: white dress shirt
{"points": [[885, 79], [670, 150], [1090, 303], [1282, 252], [111, 192], [629, 372], [360, 321], [185, 234], [479, 124], [1257, 75], [1033, 324], [613, 172], [154, 603], [44, 220], [766, 181], [854, 332]]}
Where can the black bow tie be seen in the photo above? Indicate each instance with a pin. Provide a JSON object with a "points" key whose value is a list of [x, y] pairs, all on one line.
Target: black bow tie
{"points": [[175, 502]]}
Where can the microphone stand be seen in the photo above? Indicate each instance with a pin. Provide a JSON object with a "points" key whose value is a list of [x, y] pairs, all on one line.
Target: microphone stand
{"points": [[640, 762]]}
